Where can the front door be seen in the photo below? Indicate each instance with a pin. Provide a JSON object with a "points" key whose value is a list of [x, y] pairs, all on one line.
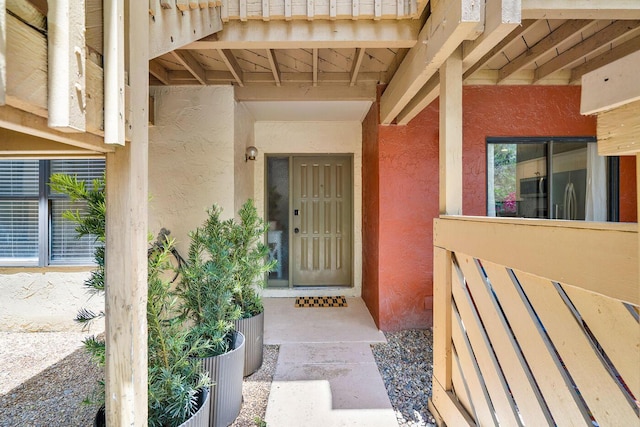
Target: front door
{"points": [[322, 221]]}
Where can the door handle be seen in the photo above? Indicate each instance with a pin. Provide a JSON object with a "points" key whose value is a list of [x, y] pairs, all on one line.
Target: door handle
{"points": [[296, 230]]}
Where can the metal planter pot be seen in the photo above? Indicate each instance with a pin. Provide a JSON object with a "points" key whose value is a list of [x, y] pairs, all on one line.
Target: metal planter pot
{"points": [[253, 330], [226, 371], [199, 419]]}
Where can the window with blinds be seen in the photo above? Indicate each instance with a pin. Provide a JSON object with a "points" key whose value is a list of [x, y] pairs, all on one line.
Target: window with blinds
{"points": [[32, 228]]}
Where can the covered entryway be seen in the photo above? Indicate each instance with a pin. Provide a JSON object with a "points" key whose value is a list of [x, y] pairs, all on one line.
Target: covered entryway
{"points": [[309, 207]]}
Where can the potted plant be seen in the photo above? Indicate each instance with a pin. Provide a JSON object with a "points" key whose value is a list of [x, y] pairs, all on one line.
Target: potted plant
{"points": [[178, 388], [206, 292], [250, 252]]}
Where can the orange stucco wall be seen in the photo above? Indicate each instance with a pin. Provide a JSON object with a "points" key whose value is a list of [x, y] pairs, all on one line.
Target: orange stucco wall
{"points": [[400, 173]]}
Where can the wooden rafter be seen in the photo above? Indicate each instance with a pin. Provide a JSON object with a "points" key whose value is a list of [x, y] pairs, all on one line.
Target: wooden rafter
{"points": [[603, 59], [423, 98], [516, 34], [159, 72], [186, 59], [232, 65], [313, 34], [275, 68], [578, 51], [16, 144], [357, 63], [547, 44], [183, 77], [580, 9], [314, 53], [462, 18]]}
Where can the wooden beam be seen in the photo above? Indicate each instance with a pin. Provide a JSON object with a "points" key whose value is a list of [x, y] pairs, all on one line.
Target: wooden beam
{"points": [[314, 34], [355, 9], [399, 9], [315, 66], [194, 4], [287, 10], [377, 9], [232, 65], [18, 145], [265, 10], [603, 59], [423, 98], [224, 11], [332, 9], [126, 245], [618, 130], [166, 4], [31, 124], [186, 59], [182, 5], [580, 9], [357, 63], [611, 86], [3, 53], [451, 135], [66, 66], [547, 44], [94, 21], [243, 10], [114, 112], [442, 317], [28, 13], [159, 72], [607, 35], [275, 69], [183, 77], [171, 31], [307, 92], [470, 68], [501, 18], [310, 10], [451, 22]]}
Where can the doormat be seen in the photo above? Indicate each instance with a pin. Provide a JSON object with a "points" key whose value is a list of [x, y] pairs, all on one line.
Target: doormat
{"points": [[304, 302]]}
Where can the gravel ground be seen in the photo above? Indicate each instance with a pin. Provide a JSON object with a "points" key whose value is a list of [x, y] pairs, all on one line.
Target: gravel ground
{"points": [[406, 365], [45, 376]]}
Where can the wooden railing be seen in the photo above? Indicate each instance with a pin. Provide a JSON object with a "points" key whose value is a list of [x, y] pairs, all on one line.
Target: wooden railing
{"points": [[535, 323]]}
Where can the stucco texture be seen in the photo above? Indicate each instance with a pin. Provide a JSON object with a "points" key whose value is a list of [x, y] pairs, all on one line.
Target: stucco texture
{"points": [[45, 301], [407, 160], [191, 158], [318, 138]]}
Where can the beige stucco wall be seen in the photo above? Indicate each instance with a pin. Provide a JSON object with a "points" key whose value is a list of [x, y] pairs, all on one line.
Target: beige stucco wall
{"points": [[320, 138], [244, 137], [45, 301], [191, 158]]}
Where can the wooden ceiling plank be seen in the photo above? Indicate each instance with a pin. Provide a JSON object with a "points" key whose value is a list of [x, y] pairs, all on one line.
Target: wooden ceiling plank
{"points": [[287, 10], [603, 59], [355, 9], [607, 35], [224, 11], [266, 10], [332, 9], [399, 9], [306, 92], [243, 10], [191, 64], [423, 98], [377, 9], [159, 72], [315, 66], [565, 31], [462, 18], [501, 18], [310, 10], [232, 65], [275, 69], [580, 9], [256, 34], [357, 63]]}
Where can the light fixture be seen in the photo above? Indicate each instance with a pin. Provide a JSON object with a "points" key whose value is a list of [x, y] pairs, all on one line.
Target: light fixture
{"points": [[250, 153]]}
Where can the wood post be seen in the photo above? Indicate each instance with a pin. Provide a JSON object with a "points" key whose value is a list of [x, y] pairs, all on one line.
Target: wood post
{"points": [[451, 135], [126, 246]]}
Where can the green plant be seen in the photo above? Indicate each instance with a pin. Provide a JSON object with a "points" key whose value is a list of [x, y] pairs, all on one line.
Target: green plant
{"points": [[249, 252], [175, 380], [260, 422], [207, 281]]}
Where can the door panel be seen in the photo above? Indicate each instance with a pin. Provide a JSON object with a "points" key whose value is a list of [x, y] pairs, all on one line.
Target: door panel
{"points": [[322, 221]]}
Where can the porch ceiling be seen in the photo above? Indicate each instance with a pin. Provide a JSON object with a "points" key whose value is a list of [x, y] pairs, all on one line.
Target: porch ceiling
{"points": [[316, 58]]}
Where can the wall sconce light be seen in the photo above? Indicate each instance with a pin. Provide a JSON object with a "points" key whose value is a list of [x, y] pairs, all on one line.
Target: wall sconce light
{"points": [[250, 153]]}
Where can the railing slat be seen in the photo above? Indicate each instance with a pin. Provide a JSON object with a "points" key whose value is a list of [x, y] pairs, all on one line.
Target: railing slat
{"points": [[600, 257], [527, 396], [459, 386], [616, 330], [472, 377], [551, 378], [603, 396], [489, 368]]}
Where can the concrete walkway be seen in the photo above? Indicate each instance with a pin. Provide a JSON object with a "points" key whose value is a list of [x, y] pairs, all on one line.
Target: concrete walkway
{"points": [[326, 375]]}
